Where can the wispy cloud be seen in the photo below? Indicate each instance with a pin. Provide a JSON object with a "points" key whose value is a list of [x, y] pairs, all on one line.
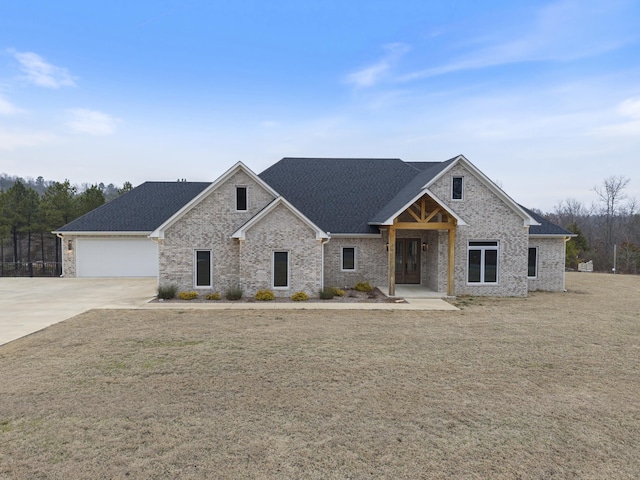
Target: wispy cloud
{"points": [[629, 109], [41, 73], [7, 108], [12, 140], [371, 75], [565, 30], [92, 122]]}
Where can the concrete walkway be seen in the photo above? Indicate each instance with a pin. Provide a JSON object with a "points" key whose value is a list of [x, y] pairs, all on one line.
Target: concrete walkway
{"points": [[31, 304], [413, 304]]}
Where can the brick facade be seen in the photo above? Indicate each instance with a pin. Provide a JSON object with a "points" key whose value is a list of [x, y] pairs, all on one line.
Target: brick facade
{"points": [[551, 264], [209, 226], [281, 230], [488, 218]]}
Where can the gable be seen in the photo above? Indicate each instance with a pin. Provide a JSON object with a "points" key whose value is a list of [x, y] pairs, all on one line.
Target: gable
{"points": [[224, 189], [279, 212], [479, 192]]}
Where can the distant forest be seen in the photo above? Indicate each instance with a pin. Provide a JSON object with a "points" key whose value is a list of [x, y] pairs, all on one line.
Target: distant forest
{"points": [[31, 208]]}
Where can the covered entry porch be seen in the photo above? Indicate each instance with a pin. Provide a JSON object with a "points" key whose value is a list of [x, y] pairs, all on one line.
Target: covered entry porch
{"points": [[416, 239]]}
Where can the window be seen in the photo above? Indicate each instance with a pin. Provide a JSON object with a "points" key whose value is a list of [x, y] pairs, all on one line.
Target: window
{"points": [[532, 271], [457, 188], [280, 269], [483, 262], [348, 258], [203, 268], [241, 198]]}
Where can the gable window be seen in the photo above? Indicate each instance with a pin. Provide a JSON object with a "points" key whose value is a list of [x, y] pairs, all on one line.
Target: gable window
{"points": [[280, 269], [532, 271], [203, 268], [457, 188], [348, 259], [241, 198], [483, 262]]}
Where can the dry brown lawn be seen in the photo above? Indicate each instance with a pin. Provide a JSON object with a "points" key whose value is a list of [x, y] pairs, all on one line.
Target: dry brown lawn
{"points": [[543, 387]]}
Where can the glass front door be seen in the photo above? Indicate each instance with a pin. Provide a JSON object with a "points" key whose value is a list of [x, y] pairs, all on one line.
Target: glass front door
{"points": [[408, 260]]}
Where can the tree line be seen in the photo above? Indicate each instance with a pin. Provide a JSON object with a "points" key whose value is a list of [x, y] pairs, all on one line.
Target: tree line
{"points": [[607, 231], [31, 209]]}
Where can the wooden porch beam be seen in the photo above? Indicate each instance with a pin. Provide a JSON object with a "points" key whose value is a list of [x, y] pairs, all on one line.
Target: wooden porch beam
{"points": [[424, 226], [392, 261], [432, 214], [412, 213]]}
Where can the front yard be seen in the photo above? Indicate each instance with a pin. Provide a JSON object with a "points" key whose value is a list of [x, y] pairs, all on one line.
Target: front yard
{"points": [[544, 387]]}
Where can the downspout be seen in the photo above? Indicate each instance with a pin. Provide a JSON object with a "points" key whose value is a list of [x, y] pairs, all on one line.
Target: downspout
{"points": [[60, 236], [323, 243]]}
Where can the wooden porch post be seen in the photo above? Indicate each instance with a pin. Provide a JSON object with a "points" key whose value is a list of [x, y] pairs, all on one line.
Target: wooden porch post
{"points": [[451, 261], [392, 261]]}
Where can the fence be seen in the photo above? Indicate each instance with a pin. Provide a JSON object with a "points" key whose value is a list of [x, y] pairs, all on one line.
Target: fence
{"points": [[30, 269]]}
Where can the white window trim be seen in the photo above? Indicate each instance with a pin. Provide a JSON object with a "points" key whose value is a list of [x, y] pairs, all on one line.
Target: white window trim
{"points": [[355, 259], [246, 192], [483, 249], [195, 268], [537, 249], [463, 185], [273, 270]]}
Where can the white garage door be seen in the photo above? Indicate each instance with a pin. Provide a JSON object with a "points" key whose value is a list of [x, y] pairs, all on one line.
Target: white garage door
{"points": [[116, 257]]}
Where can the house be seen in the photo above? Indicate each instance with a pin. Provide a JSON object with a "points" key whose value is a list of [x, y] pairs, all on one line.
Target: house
{"points": [[306, 223]]}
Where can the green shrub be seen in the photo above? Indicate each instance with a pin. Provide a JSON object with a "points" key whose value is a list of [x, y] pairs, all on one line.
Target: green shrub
{"points": [[264, 295], [363, 287], [299, 297], [338, 292], [213, 296], [326, 294], [188, 295], [167, 292], [234, 293]]}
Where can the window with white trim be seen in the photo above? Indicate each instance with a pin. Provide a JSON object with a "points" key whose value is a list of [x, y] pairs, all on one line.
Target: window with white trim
{"points": [[348, 259], [457, 188], [241, 198], [202, 268], [482, 262], [532, 269], [280, 269]]}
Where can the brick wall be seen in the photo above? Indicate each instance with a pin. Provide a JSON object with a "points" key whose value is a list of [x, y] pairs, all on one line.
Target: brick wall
{"points": [[281, 230], [551, 263], [489, 218], [209, 226]]}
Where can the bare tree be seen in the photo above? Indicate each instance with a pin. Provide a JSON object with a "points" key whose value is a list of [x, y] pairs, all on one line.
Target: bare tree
{"points": [[610, 194]]}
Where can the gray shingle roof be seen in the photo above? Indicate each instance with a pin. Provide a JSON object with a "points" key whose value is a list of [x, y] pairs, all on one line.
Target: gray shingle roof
{"points": [[340, 195], [546, 227], [143, 209], [428, 170]]}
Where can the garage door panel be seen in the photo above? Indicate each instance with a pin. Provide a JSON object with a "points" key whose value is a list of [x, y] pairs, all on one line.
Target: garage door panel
{"points": [[116, 257]]}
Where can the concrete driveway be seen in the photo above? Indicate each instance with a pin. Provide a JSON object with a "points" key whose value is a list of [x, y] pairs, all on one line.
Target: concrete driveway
{"points": [[31, 304]]}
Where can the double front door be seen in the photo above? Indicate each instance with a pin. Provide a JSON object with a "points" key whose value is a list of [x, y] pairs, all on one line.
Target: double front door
{"points": [[408, 260]]}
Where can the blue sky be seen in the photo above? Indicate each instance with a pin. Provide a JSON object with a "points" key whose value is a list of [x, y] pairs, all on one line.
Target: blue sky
{"points": [[544, 97]]}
